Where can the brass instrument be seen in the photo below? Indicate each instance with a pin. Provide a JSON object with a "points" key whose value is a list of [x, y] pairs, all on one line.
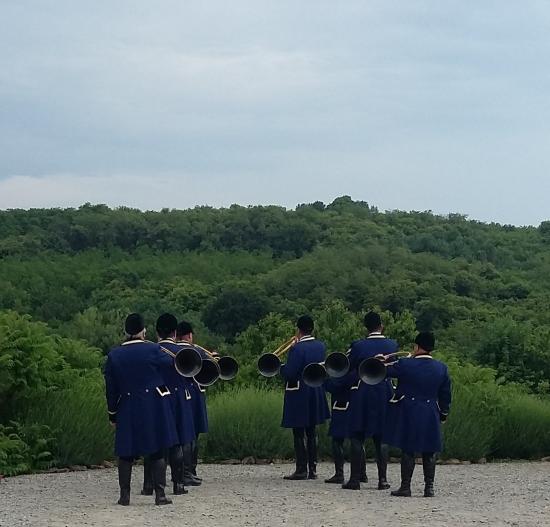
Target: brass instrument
{"points": [[187, 361], [336, 365], [269, 364], [214, 368], [373, 370]]}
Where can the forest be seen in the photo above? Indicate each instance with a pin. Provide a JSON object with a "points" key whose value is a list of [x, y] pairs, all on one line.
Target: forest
{"points": [[242, 275]]}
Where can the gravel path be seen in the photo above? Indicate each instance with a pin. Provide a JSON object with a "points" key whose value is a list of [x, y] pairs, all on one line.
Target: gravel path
{"points": [[492, 494]]}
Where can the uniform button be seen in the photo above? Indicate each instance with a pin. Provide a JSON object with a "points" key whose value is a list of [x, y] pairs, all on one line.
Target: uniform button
{"points": [[146, 390], [128, 393], [176, 389], [412, 398], [428, 401]]}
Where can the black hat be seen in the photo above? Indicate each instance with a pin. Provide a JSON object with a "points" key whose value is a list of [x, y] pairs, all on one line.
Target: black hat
{"points": [[305, 324], [184, 328], [372, 321], [425, 340], [166, 324], [134, 324]]}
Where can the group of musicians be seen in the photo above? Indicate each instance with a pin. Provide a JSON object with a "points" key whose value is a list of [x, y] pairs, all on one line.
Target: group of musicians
{"points": [[408, 417], [159, 413]]}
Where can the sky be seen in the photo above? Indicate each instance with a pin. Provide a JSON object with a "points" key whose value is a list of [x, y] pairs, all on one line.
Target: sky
{"points": [[412, 105]]}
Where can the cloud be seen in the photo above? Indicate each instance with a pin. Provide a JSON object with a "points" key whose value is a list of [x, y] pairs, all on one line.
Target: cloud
{"points": [[255, 101]]}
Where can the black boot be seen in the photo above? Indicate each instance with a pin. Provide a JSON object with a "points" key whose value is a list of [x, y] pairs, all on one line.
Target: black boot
{"points": [[189, 478], [407, 469], [382, 464], [176, 468], [428, 462], [195, 460], [355, 469], [124, 480], [301, 456], [363, 478], [338, 455], [159, 481], [147, 489], [312, 453]]}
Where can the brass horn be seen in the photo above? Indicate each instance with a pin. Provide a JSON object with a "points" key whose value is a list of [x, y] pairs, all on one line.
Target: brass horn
{"points": [[187, 361], [335, 365], [373, 370], [269, 364], [227, 367]]}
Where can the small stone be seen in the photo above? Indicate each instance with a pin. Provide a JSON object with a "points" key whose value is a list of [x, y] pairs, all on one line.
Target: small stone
{"points": [[263, 461], [108, 464], [248, 460], [230, 462], [465, 462], [547, 458], [481, 461], [452, 461]]}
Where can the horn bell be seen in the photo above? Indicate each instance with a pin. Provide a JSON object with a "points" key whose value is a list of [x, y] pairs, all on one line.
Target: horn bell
{"points": [[188, 361], [209, 373], [337, 364], [314, 374], [372, 371], [269, 364], [228, 368]]}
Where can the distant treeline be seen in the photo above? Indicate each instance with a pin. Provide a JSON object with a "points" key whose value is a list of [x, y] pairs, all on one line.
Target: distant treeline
{"points": [[242, 275]]}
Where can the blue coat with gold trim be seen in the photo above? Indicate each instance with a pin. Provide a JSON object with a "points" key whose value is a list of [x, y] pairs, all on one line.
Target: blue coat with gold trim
{"points": [[138, 399], [339, 404], [181, 397], [368, 403], [422, 400], [304, 406]]}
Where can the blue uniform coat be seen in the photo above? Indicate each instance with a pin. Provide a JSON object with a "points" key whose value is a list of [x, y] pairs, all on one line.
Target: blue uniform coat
{"points": [[423, 393], [134, 388], [339, 404], [304, 406], [181, 395], [368, 404], [198, 397]]}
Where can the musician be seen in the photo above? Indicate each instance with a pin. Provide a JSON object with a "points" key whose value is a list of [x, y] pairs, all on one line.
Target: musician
{"points": [[339, 428], [139, 406], [367, 408], [421, 403], [184, 334], [181, 398], [304, 407]]}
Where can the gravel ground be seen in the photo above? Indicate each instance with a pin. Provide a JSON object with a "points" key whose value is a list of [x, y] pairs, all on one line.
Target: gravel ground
{"points": [[492, 494]]}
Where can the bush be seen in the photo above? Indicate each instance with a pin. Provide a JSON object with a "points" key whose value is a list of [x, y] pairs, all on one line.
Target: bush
{"points": [[523, 427], [24, 448], [246, 422], [77, 417]]}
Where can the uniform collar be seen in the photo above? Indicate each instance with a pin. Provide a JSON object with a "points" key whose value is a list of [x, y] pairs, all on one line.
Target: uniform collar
{"points": [[423, 356], [167, 341], [134, 341], [306, 338], [376, 335]]}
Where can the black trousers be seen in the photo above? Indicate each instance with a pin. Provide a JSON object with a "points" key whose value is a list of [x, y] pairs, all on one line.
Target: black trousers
{"points": [[305, 448]]}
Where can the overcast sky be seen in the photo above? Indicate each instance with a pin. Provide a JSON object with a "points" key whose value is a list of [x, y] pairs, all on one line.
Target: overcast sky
{"points": [[440, 105]]}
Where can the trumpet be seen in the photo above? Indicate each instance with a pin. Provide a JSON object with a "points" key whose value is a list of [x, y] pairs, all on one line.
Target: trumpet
{"points": [[269, 364], [335, 365], [214, 368], [373, 370], [187, 361]]}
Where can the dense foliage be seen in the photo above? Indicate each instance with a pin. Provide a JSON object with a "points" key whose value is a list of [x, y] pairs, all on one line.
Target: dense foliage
{"points": [[242, 275]]}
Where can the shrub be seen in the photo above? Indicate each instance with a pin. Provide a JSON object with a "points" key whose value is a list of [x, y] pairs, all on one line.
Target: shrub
{"points": [[24, 448], [246, 422], [523, 427], [77, 417]]}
